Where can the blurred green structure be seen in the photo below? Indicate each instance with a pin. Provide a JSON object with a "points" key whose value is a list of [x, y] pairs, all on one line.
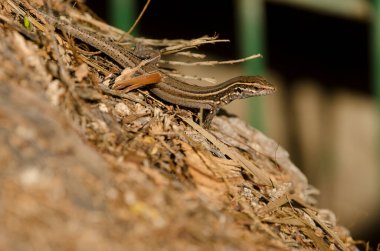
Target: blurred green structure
{"points": [[250, 26], [376, 61], [122, 13], [353, 9]]}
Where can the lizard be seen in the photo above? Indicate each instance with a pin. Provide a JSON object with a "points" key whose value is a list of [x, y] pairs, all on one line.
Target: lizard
{"points": [[164, 86]]}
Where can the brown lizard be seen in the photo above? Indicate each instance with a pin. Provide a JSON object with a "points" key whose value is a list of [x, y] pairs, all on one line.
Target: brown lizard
{"points": [[168, 88]]}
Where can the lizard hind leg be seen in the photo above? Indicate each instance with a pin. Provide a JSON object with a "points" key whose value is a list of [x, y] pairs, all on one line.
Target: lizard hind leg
{"points": [[130, 82], [133, 83]]}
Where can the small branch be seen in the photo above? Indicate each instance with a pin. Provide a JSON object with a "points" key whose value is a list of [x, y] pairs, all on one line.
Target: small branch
{"points": [[209, 80], [191, 54], [211, 63], [139, 17]]}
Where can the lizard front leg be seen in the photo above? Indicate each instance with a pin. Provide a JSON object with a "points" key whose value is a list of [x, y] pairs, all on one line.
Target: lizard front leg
{"points": [[207, 116]]}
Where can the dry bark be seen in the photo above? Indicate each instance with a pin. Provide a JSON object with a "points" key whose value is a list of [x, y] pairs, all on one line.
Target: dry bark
{"points": [[87, 168]]}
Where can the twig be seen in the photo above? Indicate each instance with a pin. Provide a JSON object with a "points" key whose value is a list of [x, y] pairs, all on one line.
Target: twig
{"points": [[191, 54], [178, 75], [194, 43], [139, 17], [174, 42], [94, 65], [263, 178], [211, 63]]}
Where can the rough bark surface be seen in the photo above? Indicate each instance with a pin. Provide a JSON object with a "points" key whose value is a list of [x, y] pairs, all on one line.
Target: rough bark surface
{"points": [[83, 167]]}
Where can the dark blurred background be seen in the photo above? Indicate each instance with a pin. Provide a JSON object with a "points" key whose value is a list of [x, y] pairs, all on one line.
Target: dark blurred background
{"points": [[319, 54]]}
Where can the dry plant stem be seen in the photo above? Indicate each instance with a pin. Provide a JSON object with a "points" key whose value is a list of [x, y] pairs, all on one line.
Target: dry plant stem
{"points": [[325, 228], [95, 65], [191, 44], [320, 244], [191, 54], [87, 53], [178, 75], [214, 170], [65, 77], [23, 13], [105, 89], [139, 18], [288, 199], [99, 24], [258, 221], [179, 44], [62, 70], [262, 178], [211, 63], [21, 29], [136, 22]]}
